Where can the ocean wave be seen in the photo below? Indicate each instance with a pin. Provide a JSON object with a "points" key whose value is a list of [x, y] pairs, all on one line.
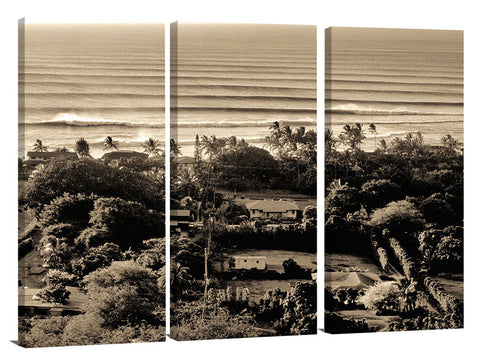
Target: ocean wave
{"points": [[354, 109], [377, 82], [78, 121], [399, 102], [246, 109]]}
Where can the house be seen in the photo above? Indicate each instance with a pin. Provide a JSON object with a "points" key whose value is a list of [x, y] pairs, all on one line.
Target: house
{"points": [[124, 155], [185, 162], [179, 221], [271, 208], [30, 304], [37, 159], [238, 262]]}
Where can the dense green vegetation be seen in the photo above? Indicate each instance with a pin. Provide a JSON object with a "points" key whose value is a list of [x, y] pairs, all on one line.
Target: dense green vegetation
{"points": [[401, 205], [102, 231]]}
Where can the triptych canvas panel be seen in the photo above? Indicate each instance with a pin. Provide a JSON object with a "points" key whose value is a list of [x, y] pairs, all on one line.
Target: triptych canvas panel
{"points": [[242, 168], [394, 180]]}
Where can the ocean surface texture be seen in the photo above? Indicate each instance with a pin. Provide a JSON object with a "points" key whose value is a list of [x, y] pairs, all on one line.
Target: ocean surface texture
{"points": [[93, 81], [401, 80], [235, 80]]}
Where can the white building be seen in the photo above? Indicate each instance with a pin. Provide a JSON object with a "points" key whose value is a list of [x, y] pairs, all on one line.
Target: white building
{"points": [[249, 262]]}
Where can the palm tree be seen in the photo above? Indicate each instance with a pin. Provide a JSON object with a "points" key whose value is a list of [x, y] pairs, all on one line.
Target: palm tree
{"points": [[38, 146], [232, 142], [273, 140], [383, 146], [197, 153], [151, 147], [373, 130], [299, 134], [449, 142], [180, 279], [330, 142], [82, 148], [175, 149], [186, 182], [110, 144], [288, 138]]}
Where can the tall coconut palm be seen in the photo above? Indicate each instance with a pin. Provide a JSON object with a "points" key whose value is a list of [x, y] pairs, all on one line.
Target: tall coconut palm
{"points": [[273, 139], [373, 130], [449, 142], [197, 152], [383, 146], [109, 144], [330, 142], [38, 146], [175, 149], [187, 183], [151, 147], [82, 148], [288, 138]]}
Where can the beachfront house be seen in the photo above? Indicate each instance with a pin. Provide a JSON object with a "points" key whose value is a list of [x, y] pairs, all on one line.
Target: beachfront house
{"points": [[185, 162], [272, 208], [37, 159]]}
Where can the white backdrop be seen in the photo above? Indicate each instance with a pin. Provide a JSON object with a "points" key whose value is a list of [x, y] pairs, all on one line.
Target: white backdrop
{"points": [[459, 15]]}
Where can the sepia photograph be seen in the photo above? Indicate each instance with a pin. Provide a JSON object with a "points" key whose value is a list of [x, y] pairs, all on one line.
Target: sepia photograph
{"points": [[243, 181], [394, 176], [91, 184]]}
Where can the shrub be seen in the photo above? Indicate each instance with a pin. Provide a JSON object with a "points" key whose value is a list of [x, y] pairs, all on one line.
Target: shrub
{"points": [[67, 209], [96, 258], [378, 193], [55, 282], [436, 210], [384, 297]]}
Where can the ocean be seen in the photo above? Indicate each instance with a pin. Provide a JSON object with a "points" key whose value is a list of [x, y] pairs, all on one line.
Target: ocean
{"points": [[237, 79], [401, 80], [93, 81]]}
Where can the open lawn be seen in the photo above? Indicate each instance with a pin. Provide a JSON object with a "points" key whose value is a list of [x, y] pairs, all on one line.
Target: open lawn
{"points": [[347, 262], [452, 283]]}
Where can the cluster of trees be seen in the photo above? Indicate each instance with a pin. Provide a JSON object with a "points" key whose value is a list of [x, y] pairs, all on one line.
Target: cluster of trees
{"points": [[407, 190], [102, 231], [151, 146], [404, 201], [233, 164]]}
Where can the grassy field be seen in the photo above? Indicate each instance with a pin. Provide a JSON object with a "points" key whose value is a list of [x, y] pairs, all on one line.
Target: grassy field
{"points": [[346, 262], [452, 283]]}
